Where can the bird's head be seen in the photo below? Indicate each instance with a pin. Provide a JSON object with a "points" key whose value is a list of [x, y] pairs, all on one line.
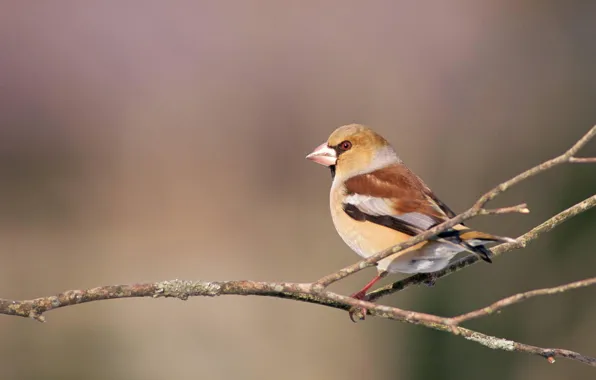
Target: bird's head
{"points": [[354, 149]]}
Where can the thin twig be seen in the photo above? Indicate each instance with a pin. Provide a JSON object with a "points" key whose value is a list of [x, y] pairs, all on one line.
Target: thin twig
{"points": [[583, 160], [518, 298], [520, 209]]}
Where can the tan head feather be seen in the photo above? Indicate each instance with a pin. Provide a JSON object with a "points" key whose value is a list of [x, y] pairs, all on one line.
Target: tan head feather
{"points": [[360, 150]]}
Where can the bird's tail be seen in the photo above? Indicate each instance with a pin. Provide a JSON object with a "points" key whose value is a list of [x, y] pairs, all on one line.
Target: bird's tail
{"points": [[473, 241], [482, 236]]}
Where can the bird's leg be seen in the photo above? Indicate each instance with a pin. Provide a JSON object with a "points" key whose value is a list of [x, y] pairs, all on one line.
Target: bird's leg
{"points": [[361, 295]]}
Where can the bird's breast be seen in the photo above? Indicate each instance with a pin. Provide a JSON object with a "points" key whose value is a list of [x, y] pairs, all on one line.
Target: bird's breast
{"points": [[363, 237]]}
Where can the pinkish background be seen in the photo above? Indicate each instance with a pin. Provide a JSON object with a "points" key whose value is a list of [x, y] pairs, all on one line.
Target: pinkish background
{"points": [[151, 140]]}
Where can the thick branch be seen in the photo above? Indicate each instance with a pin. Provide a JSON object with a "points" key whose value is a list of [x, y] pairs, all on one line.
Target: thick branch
{"points": [[301, 292], [296, 291]]}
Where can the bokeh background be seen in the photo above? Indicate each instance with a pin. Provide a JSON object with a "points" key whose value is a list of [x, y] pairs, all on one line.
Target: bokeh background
{"points": [[149, 140]]}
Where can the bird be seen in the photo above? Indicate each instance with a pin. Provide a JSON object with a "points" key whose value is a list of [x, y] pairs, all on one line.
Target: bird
{"points": [[377, 202]]}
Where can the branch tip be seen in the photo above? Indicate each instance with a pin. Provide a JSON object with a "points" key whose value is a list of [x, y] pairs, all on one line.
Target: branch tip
{"points": [[582, 160], [37, 316]]}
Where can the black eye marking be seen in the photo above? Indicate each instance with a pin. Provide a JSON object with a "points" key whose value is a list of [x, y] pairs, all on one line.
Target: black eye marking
{"points": [[342, 147]]}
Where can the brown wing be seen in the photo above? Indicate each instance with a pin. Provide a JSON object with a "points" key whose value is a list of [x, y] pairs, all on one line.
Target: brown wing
{"points": [[396, 198], [397, 192]]}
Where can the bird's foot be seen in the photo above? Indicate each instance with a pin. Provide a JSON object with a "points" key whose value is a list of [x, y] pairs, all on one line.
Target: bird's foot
{"points": [[430, 282], [358, 313]]}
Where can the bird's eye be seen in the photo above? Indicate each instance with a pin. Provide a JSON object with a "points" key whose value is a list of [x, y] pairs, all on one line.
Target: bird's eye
{"points": [[346, 145]]}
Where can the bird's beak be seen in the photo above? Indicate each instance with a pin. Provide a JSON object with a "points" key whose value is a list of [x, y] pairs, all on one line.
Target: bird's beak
{"points": [[323, 155]]}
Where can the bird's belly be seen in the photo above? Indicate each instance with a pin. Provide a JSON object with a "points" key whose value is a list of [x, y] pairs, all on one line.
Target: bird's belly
{"points": [[363, 237]]}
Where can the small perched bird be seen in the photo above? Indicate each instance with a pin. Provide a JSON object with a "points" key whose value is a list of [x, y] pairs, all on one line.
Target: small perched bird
{"points": [[377, 202]]}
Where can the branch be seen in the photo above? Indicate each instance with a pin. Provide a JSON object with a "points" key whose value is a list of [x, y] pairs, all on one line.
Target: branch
{"points": [[582, 160], [316, 292], [518, 298], [476, 209], [296, 291]]}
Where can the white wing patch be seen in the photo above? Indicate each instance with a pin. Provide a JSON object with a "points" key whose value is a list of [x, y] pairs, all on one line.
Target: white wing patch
{"points": [[370, 205], [381, 206], [417, 219]]}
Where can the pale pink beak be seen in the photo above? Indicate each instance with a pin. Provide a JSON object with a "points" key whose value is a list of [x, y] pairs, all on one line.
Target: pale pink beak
{"points": [[323, 155]]}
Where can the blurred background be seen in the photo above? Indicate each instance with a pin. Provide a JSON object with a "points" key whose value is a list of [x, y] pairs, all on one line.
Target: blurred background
{"points": [[145, 141]]}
